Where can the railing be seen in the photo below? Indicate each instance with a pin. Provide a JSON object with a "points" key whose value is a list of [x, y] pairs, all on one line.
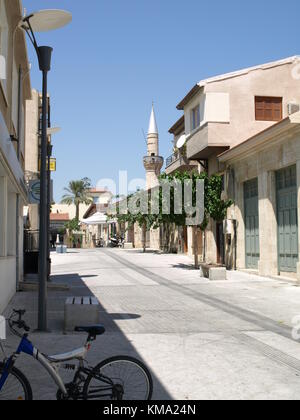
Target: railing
{"points": [[171, 160]]}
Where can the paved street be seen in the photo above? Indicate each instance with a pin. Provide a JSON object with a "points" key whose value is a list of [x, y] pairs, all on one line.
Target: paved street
{"points": [[201, 340]]}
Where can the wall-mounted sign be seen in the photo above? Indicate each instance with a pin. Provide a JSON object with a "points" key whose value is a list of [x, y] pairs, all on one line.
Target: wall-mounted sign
{"points": [[52, 164], [34, 193]]}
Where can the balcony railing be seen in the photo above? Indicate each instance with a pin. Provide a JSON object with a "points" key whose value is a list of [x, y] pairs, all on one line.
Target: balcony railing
{"points": [[171, 159]]}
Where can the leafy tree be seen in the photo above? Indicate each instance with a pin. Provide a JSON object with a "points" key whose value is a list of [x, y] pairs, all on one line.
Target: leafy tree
{"points": [[77, 193], [72, 226], [214, 206]]}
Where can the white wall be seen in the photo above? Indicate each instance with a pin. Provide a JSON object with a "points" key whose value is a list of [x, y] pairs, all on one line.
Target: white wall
{"points": [[7, 281], [214, 107]]}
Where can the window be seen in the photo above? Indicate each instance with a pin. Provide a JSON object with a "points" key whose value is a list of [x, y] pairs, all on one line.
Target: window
{"points": [[195, 117], [268, 108]]}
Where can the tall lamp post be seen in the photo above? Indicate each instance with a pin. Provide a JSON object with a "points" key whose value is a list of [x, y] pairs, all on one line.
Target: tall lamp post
{"points": [[42, 21]]}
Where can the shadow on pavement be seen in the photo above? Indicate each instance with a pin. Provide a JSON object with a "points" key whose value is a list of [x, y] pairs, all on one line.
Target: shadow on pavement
{"points": [[113, 343], [190, 267]]}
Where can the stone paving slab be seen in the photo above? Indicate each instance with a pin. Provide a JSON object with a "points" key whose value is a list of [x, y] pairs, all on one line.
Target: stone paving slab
{"points": [[226, 340]]}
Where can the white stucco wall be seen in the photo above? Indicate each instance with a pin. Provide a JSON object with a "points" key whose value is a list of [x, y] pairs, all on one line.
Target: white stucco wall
{"points": [[7, 280]]}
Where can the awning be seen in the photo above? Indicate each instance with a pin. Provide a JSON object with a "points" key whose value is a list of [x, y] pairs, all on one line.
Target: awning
{"points": [[96, 219]]}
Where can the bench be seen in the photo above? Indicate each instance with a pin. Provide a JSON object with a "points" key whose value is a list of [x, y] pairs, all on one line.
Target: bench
{"points": [[213, 272], [81, 311]]}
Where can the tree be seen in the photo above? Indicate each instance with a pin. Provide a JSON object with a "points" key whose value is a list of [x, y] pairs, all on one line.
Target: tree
{"points": [[146, 221], [72, 226], [214, 206], [77, 193]]}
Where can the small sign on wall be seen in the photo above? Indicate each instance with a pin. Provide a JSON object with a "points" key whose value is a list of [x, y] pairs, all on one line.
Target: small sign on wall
{"points": [[34, 193], [52, 164]]}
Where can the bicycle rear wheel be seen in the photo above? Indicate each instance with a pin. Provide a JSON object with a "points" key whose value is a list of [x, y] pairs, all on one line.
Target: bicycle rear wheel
{"points": [[119, 378], [16, 387]]}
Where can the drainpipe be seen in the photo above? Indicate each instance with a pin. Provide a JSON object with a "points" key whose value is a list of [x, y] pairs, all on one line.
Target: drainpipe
{"points": [[19, 135]]}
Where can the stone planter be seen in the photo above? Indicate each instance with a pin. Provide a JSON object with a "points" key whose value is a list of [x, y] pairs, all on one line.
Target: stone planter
{"points": [[213, 272]]}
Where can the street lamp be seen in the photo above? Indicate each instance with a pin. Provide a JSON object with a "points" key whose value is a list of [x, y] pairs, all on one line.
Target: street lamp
{"points": [[43, 21]]}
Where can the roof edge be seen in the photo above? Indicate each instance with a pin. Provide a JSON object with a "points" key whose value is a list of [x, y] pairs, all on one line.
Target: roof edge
{"points": [[237, 73]]}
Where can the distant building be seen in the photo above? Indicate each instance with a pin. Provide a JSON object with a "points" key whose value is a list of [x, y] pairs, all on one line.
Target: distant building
{"points": [[63, 213]]}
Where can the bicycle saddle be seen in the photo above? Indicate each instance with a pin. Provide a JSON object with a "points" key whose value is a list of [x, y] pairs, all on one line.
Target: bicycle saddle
{"points": [[93, 330]]}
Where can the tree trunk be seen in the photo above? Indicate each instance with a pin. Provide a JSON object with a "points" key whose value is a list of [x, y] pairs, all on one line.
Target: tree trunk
{"points": [[144, 237], [77, 211], [204, 246], [196, 251]]}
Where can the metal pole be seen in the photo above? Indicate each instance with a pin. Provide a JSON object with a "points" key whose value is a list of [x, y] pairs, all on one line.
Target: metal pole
{"points": [[44, 55], [49, 153]]}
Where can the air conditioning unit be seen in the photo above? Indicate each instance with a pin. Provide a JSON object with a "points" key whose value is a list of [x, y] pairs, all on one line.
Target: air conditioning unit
{"points": [[293, 108]]}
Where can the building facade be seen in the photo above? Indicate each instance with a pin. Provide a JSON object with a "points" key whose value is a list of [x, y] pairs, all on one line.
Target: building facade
{"points": [[221, 113], [263, 177], [15, 89]]}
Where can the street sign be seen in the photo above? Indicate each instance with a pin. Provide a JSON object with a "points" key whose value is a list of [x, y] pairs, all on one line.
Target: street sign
{"points": [[52, 164], [34, 193]]}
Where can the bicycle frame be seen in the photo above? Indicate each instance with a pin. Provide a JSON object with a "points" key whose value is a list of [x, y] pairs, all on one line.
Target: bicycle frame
{"points": [[50, 364]]}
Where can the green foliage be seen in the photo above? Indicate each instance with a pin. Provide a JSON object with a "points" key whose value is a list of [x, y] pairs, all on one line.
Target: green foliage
{"points": [[214, 206], [73, 225], [77, 193]]}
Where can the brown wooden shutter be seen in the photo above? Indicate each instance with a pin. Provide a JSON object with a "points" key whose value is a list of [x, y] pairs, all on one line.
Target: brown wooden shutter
{"points": [[268, 108]]}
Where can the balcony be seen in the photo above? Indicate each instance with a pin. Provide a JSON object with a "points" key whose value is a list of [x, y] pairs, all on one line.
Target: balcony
{"points": [[178, 162], [206, 141], [153, 163]]}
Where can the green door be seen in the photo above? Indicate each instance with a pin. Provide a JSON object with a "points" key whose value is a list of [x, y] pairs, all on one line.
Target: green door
{"points": [[251, 223], [287, 219]]}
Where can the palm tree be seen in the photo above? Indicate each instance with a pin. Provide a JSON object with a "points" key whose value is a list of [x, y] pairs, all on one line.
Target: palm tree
{"points": [[77, 193]]}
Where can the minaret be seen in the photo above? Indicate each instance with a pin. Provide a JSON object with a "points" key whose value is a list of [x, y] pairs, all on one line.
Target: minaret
{"points": [[153, 162]]}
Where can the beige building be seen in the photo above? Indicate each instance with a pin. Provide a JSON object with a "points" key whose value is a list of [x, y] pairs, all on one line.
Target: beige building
{"points": [[222, 112], [263, 177], [15, 89]]}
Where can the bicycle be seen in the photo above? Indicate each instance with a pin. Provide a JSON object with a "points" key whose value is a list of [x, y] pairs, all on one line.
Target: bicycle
{"points": [[117, 378]]}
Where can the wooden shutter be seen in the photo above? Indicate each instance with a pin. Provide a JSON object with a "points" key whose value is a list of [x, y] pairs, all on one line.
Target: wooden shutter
{"points": [[268, 108]]}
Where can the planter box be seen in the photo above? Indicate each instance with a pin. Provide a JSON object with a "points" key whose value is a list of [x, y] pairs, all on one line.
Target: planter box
{"points": [[213, 272], [81, 311]]}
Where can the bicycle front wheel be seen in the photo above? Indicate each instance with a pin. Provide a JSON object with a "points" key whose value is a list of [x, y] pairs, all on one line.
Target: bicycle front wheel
{"points": [[16, 387], [119, 378]]}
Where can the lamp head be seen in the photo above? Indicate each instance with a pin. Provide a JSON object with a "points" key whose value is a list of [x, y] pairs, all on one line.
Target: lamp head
{"points": [[46, 20]]}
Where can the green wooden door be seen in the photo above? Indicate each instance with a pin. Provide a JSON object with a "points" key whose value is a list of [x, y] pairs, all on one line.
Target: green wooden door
{"points": [[251, 223], [287, 219]]}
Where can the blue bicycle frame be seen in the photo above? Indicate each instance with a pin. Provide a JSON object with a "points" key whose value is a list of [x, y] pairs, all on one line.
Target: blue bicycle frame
{"points": [[27, 348]]}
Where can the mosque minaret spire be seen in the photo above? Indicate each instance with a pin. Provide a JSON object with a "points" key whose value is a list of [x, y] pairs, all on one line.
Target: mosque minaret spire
{"points": [[153, 163]]}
